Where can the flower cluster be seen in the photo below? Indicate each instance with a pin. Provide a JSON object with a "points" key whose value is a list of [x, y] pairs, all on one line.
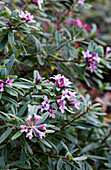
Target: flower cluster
{"points": [[46, 106], [91, 59], [3, 84], [81, 2], [70, 97], [26, 16], [32, 128], [39, 2], [61, 81], [79, 23], [10, 26]]}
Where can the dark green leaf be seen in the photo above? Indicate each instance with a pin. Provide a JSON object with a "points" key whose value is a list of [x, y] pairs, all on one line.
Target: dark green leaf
{"points": [[5, 134]]}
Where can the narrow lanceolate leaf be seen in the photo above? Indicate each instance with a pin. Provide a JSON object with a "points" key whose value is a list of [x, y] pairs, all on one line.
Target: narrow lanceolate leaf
{"points": [[11, 92], [59, 164], [16, 135], [22, 110], [45, 143], [3, 42], [10, 100], [10, 63], [5, 134], [45, 115], [80, 158], [11, 38]]}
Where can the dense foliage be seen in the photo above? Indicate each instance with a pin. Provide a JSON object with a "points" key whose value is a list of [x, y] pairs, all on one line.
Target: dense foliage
{"points": [[53, 61]]}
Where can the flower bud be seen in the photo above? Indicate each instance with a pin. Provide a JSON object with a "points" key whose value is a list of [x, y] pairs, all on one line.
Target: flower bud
{"points": [[37, 80]]}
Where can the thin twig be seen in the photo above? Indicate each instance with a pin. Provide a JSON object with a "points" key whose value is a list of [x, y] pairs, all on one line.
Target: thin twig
{"points": [[70, 122], [54, 156], [25, 6], [28, 92], [66, 14], [106, 138]]}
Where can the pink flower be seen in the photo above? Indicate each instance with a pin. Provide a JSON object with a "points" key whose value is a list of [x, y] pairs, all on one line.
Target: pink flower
{"points": [[30, 135], [10, 25], [37, 80], [45, 104], [26, 16], [86, 54], [92, 67], [24, 128], [37, 117], [81, 2], [9, 81], [32, 128], [52, 113], [41, 134], [29, 119], [75, 104], [61, 81], [65, 82], [72, 95], [47, 81], [3, 84], [65, 94], [39, 2], [97, 58], [91, 59], [1, 87], [108, 49], [42, 126], [78, 23], [62, 104]]}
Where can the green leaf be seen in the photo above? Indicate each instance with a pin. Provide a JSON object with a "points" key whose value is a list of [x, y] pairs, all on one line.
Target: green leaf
{"points": [[11, 91], [16, 135], [40, 60], [10, 100], [3, 73], [22, 110], [67, 51], [74, 31], [91, 46], [18, 53], [88, 147], [36, 74], [45, 143], [32, 109], [11, 38], [80, 30], [108, 165], [45, 115], [80, 158], [59, 164], [37, 43], [10, 63], [4, 42], [2, 163], [57, 37], [5, 134]]}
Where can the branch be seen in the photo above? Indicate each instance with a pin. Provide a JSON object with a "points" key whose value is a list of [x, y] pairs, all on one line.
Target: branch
{"points": [[56, 49], [54, 156], [70, 122], [25, 6], [106, 138], [28, 92], [69, 10]]}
